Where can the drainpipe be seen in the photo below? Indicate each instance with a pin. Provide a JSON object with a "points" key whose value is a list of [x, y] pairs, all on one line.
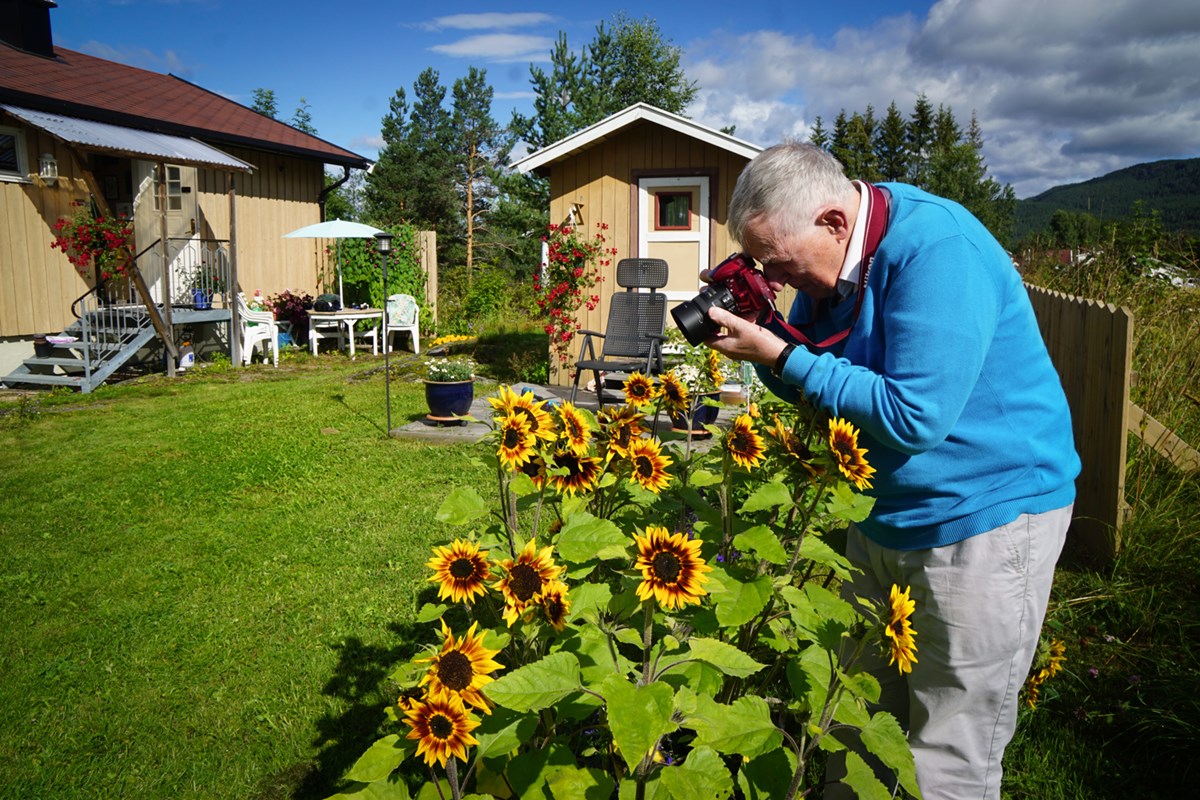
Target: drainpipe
{"points": [[331, 187]]}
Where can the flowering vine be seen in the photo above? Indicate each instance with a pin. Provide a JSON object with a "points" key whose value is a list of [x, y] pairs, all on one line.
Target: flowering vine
{"points": [[562, 288], [105, 242]]}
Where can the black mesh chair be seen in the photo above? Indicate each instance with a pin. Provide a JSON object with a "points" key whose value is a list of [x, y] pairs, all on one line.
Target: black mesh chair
{"points": [[633, 337]]}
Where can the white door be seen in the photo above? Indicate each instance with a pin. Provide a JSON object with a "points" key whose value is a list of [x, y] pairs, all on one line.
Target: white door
{"points": [[181, 222], [673, 225]]}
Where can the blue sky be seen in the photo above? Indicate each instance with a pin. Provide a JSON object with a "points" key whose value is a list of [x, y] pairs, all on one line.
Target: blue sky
{"points": [[1064, 90]]}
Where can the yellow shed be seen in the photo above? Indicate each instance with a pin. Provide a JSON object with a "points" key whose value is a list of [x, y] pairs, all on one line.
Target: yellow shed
{"points": [[660, 182]]}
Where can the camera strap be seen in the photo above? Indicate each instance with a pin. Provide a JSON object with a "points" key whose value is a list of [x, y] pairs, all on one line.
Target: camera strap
{"points": [[878, 209]]}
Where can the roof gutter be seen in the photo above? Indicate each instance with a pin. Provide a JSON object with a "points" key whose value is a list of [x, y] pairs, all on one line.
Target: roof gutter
{"points": [[330, 189]]}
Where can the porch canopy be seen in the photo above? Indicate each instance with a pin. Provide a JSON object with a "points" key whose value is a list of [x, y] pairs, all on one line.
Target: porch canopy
{"points": [[118, 140]]}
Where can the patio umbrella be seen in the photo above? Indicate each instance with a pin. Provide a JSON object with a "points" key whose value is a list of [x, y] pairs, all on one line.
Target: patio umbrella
{"points": [[335, 229]]}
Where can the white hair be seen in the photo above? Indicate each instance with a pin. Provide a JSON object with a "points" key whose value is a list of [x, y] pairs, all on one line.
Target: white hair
{"points": [[786, 184]]}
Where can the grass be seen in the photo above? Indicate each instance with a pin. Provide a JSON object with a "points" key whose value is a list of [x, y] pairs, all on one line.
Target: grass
{"points": [[206, 582]]}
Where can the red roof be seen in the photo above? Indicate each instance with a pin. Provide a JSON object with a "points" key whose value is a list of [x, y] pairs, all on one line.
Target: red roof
{"points": [[84, 86]]}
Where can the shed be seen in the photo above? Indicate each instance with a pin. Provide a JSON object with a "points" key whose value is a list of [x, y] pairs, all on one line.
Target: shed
{"points": [[661, 182]]}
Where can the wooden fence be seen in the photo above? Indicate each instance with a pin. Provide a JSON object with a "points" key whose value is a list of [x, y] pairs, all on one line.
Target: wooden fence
{"points": [[1091, 344]]}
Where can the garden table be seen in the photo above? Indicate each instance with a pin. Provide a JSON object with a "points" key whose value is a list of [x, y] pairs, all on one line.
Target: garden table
{"points": [[323, 324]]}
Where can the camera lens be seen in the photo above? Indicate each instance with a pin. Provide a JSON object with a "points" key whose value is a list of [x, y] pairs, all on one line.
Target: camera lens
{"points": [[691, 316]]}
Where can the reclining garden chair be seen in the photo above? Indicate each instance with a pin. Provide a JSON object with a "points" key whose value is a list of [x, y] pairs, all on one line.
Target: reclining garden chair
{"points": [[633, 337]]}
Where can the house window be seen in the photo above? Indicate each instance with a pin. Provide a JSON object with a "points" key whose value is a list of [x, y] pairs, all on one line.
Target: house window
{"points": [[174, 189], [13, 166], [673, 211]]}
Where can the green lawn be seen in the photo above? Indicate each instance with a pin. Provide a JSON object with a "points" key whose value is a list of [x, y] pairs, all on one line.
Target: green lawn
{"points": [[205, 583]]}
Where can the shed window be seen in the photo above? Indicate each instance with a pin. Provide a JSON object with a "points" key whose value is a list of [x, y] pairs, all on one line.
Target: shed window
{"points": [[673, 211], [12, 155]]}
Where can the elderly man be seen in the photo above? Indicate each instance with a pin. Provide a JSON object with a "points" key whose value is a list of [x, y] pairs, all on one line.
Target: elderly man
{"points": [[912, 323]]}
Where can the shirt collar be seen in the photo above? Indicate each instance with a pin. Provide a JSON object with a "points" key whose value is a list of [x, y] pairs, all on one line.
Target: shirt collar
{"points": [[852, 266]]}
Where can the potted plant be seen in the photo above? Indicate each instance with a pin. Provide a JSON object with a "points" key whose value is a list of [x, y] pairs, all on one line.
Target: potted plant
{"points": [[449, 388], [203, 283], [691, 389]]}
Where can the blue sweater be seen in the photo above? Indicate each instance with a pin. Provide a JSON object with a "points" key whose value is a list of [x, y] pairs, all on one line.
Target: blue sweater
{"points": [[947, 377]]}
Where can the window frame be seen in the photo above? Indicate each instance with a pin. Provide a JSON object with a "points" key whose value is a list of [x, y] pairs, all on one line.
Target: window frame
{"points": [[21, 146]]}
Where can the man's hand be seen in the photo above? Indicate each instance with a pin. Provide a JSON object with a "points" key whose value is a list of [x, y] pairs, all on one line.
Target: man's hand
{"points": [[742, 340]]}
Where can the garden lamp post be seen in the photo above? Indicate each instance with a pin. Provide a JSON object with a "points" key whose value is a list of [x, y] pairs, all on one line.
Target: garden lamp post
{"points": [[383, 243]]}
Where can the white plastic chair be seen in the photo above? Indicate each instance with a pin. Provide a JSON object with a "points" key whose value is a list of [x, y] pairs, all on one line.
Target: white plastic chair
{"points": [[403, 315], [257, 327]]}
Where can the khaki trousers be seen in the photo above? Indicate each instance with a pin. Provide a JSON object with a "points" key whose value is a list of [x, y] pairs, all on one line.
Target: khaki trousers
{"points": [[980, 604]]}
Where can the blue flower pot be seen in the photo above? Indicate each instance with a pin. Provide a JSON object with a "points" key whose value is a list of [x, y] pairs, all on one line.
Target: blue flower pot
{"points": [[701, 415], [201, 300], [448, 400]]}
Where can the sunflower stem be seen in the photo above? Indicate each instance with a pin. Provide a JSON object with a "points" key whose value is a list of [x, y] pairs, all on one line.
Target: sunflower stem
{"points": [[808, 512], [452, 776], [647, 634]]}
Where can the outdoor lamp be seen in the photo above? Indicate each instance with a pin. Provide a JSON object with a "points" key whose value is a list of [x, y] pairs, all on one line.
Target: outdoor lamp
{"points": [[48, 169], [383, 243]]}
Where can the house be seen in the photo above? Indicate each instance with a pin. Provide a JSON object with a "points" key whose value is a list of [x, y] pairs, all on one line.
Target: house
{"points": [[660, 182], [210, 184]]}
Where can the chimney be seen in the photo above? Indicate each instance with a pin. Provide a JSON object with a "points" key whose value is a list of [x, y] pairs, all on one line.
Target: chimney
{"points": [[27, 25]]}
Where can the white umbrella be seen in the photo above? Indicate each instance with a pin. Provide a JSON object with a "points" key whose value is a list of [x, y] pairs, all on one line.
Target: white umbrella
{"points": [[335, 229]]}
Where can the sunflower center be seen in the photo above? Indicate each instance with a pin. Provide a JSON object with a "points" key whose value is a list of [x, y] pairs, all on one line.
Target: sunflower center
{"points": [[533, 423], [455, 671], [623, 436], [740, 442], [667, 566], [554, 609], [844, 449], [644, 467], [461, 568], [441, 726], [512, 437], [523, 581]]}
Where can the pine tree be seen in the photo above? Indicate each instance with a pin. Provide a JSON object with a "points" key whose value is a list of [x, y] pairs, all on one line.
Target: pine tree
{"points": [[818, 136], [482, 149], [891, 153], [919, 137]]}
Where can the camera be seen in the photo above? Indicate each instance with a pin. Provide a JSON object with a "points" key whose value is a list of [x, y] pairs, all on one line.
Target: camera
{"points": [[736, 286]]}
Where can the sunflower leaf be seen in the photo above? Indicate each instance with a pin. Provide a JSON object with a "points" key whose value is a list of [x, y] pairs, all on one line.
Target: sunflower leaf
{"points": [[703, 477], [862, 780], [816, 549], [738, 601], [724, 657], [637, 715], [462, 506], [580, 783], [763, 542], [743, 727], [537, 685], [883, 737], [503, 731], [703, 776], [380, 760], [768, 775], [770, 495], [431, 611], [587, 538], [847, 504]]}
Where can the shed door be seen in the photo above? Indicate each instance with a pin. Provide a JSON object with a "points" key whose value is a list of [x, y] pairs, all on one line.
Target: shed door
{"points": [[673, 224]]}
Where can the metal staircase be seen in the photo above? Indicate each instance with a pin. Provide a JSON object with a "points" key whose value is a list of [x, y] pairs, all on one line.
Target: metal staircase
{"points": [[111, 328]]}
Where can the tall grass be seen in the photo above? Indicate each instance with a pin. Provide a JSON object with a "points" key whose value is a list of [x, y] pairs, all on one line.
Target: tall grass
{"points": [[1122, 720]]}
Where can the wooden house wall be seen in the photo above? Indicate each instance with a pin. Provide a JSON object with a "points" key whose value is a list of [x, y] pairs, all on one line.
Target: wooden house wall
{"points": [[37, 284], [603, 181], [279, 196]]}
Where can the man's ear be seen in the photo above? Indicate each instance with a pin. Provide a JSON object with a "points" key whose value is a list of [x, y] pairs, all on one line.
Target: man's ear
{"points": [[834, 218]]}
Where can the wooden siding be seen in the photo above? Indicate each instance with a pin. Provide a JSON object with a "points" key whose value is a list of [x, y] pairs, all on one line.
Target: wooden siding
{"points": [[1091, 344], [37, 284], [602, 180]]}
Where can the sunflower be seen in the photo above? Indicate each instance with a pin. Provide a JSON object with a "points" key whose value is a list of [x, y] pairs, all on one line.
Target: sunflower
{"points": [[535, 468], [525, 579], [619, 427], [672, 569], [516, 440], [1049, 663], [556, 605], [574, 427], [674, 393], [898, 630], [843, 443], [582, 471], [441, 727], [463, 667], [509, 402], [461, 570], [712, 365], [743, 442], [649, 465], [639, 390]]}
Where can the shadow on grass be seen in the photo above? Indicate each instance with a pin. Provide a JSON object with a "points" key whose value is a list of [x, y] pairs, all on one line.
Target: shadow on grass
{"points": [[360, 681]]}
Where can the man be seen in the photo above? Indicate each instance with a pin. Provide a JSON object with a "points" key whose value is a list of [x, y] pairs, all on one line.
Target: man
{"points": [[912, 323]]}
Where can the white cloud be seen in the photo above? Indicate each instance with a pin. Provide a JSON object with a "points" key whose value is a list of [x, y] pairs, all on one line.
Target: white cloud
{"points": [[1063, 91], [489, 21], [141, 57], [499, 47]]}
